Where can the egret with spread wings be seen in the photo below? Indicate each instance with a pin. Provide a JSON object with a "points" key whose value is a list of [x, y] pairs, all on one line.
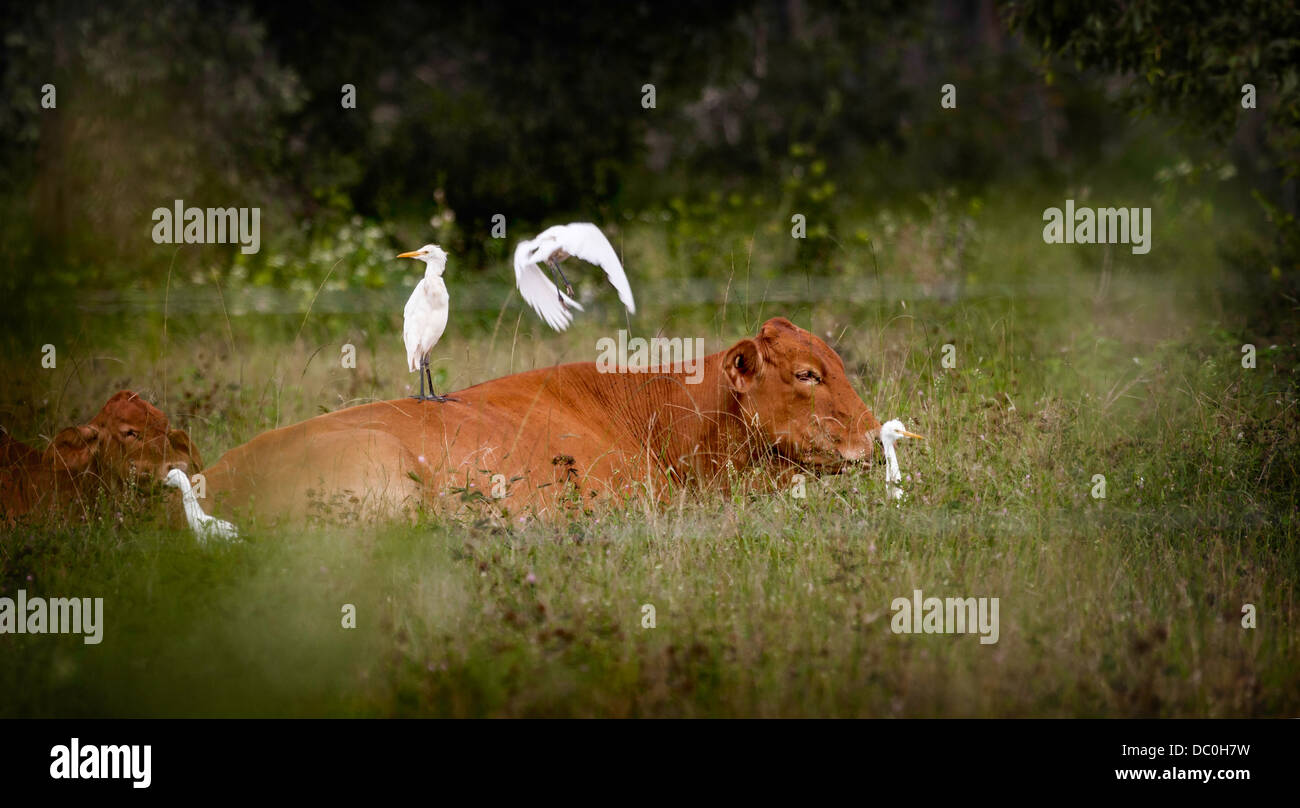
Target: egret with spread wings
{"points": [[554, 244]]}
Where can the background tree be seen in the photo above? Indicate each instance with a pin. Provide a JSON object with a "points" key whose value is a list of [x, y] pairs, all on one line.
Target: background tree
{"points": [[1193, 60]]}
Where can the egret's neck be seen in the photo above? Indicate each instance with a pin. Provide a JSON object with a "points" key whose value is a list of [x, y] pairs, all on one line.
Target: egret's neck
{"points": [[433, 271], [193, 511], [892, 474]]}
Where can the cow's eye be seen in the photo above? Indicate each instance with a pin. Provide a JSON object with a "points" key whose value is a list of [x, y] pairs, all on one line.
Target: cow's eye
{"points": [[808, 376], [130, 433]]}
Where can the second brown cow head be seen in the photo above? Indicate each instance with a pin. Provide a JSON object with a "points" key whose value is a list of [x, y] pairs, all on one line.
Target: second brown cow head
{"points": [[128, 438]]}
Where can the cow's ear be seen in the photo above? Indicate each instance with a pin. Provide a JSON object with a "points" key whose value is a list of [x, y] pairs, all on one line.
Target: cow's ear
{"points": [[743, 364], [74, 447], [776, 326], [181, 444]]}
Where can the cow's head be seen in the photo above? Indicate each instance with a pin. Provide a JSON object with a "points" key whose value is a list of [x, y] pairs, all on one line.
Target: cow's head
{"points": [[796, 398], [129, 437]]}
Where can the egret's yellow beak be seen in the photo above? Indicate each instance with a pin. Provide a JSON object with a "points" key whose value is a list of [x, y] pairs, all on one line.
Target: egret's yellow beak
{"points": [[411, 254], [913, 435]]}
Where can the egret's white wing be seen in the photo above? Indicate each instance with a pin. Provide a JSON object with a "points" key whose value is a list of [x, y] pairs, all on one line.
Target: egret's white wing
{"points": [[424, 319], [411, 332], [586, 241], [539, 292]]}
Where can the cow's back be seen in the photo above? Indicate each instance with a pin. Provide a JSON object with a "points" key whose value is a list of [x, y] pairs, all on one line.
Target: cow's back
{"points": [[531, 435]]}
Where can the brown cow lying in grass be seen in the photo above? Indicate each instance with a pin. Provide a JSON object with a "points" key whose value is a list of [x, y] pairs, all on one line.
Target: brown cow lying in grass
{"points": [[128, 438], [548, 438]]}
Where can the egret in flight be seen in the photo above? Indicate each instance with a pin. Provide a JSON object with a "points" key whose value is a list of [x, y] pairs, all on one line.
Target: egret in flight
{"points": [[426, 316], [554, 244], [890, 432], [205, 527]]}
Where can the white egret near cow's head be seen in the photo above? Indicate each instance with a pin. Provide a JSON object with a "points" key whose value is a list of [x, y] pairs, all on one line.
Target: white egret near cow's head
{"points": [[426, 316], [554, 244], [890, 433], [205, 527]]}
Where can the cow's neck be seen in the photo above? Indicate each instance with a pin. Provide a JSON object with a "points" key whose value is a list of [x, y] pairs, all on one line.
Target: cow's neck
{"points": [[681, 423]]}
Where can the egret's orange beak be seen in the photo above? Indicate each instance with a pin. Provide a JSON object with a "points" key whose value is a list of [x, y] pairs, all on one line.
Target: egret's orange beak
{"points": [[913, 435], [411, 254]]}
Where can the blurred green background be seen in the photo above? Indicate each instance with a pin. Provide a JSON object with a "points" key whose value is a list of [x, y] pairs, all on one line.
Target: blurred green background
{"points": [[534, 112], [924, 229]]}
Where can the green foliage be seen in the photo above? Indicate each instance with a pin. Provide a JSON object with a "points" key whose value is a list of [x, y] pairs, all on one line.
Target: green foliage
{"points": [[154, 104], [811, 192], [482, 110], [710, 233], [1193, 61]]}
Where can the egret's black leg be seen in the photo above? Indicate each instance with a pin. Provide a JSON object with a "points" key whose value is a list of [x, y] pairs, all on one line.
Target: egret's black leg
{"points": [[423, 365], [432, 395], [568, 287], [558, 295]]}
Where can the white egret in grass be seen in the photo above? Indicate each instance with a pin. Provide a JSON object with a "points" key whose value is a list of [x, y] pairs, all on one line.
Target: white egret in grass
{"points": [[554, 244], [205, 527], [890, 433], [426, 316]]}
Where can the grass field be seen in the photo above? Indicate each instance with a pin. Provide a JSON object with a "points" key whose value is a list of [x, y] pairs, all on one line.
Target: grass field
{"points": [[1071, 361]]}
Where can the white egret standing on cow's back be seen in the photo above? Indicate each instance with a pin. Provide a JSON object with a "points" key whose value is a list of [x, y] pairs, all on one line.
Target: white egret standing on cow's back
{"points": [[205, 527], [554, 244], [890, 432], [425, 316]]}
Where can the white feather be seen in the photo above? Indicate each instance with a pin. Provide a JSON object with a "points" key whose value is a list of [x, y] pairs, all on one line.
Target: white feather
{"points": [[425, 316], [205, 527], [540, 292], [890, 432], [424, 319], [581, 240]]}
